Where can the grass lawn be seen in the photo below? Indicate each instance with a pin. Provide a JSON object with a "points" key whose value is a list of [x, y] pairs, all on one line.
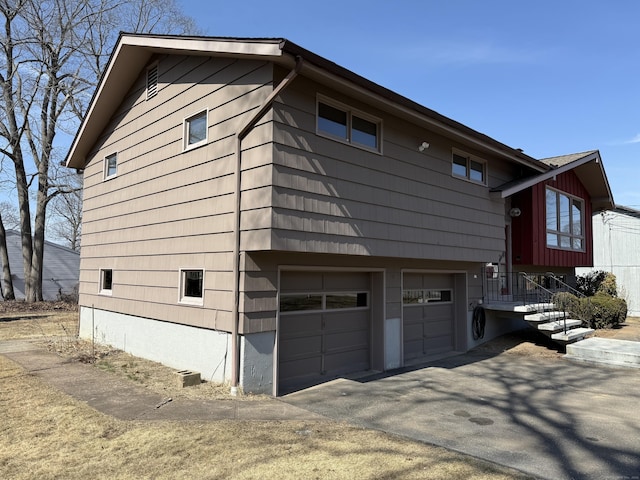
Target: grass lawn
{"points": [[46, 434]]}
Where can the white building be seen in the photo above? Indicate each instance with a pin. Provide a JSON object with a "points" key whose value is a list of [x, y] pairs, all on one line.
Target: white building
{"points": [[616, 249]]}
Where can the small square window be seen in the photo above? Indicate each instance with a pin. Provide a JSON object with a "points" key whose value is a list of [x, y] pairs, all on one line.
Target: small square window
{"points": [[106, 281], [192, 286], [195, 130], [110, 165]]}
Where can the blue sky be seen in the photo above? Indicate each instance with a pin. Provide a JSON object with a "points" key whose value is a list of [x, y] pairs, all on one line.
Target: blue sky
{"points": [[550, 77]]}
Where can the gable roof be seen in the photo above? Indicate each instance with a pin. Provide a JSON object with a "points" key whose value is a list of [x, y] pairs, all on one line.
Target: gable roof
{"points": [[133, 51], [60, 273], [588, 168]]}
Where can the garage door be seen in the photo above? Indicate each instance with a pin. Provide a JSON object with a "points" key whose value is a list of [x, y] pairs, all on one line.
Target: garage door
{"points": [[324, 329], [428, 314]]}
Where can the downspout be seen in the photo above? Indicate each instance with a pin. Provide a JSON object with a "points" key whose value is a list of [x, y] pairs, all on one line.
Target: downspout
{"points": [[242, 133]]}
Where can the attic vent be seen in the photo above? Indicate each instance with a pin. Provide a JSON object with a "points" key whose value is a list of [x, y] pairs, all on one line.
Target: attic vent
{"points": [[152, 82]]}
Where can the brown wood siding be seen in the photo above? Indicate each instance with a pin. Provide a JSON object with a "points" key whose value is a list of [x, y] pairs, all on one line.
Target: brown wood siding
{"points": [[331, 197], [529, 230], [167, 209]]}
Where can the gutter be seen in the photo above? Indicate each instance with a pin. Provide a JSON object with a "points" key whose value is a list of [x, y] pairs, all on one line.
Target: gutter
{"points": [[242, 133]]}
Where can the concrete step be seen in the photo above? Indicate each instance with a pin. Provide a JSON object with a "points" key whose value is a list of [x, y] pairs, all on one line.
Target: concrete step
{"points": [[623, 353], [572, 335], [533, 307], [543, 316], [559, 325]]}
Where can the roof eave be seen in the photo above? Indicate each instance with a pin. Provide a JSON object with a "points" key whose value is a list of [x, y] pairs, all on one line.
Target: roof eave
{"points": [[136, 50]]}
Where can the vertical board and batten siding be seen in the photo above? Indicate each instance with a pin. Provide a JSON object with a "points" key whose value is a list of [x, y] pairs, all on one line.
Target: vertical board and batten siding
{"points": [[167, 209], [529, 230], [331, 197]]}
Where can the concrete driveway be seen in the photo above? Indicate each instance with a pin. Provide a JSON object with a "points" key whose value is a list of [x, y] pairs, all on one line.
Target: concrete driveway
{"points": [[547, 417]]}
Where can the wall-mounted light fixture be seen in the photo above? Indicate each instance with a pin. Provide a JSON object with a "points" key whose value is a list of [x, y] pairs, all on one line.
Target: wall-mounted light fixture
{"points": [[515, 212], [423, 146]]}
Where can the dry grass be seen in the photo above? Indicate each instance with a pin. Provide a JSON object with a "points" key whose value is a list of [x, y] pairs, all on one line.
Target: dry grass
{"points": [[46, 434]]}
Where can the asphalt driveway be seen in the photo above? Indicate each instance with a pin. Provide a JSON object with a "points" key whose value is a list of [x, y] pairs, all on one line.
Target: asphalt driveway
{"points": [[547, 417]]}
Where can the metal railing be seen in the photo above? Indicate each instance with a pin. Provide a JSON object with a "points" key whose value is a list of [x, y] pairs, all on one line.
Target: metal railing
{"points": [[525, 289]]}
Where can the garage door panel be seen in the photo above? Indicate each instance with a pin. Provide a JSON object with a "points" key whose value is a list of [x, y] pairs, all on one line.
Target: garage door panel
{"points": [[314, 347], [300, 368], [346, 341], [438, 344], [347, 321], [428, 328], [297, 347], [292, 325], [439, 328], [347, 361]]}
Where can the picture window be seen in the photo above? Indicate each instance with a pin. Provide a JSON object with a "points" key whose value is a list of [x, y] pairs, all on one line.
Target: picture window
{"points": [[565, 221]]}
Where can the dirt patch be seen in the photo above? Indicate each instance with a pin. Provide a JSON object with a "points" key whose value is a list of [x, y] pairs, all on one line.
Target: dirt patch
{"points": [[629, 330]]}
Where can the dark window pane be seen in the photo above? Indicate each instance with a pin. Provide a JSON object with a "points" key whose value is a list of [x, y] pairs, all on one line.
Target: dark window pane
{"points": [[552, 211], [476, 171], [459, 165], [193, 283], [294, 303], [332, 120], [565, 224], [107, 279], [576, 218], [112, 165], [197, 128], [346, 300], [364, 132]]}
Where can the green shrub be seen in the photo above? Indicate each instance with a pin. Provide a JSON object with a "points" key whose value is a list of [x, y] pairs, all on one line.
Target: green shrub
{"points": [[599, 311], [603, 310]]}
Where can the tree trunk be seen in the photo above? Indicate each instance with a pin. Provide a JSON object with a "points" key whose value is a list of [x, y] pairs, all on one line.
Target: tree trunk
{"points": [[7, 281]]}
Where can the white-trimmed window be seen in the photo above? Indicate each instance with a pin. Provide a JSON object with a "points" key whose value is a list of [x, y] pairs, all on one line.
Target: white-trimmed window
{"points": [[469, 167], [298, 302], [343, 123], [152, 81], [192, 286], [195, 130], [106, 281], [565, 221], [110, 165]]}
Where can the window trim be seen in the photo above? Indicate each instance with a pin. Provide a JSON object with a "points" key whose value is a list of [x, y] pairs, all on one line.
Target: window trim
{"points": [[152, 92], [469, 159], [105, 166], [558, 233], [101, 282], [186, 129], [323, 295], [182, 297], [350, 113]]}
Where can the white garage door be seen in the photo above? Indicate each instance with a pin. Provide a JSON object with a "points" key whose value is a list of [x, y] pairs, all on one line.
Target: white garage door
{"points": [[324, 329], [428, 314]]}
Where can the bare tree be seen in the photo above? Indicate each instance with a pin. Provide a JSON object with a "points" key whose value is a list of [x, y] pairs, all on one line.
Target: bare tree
{"points": [[51, 55], [66, 211]]}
